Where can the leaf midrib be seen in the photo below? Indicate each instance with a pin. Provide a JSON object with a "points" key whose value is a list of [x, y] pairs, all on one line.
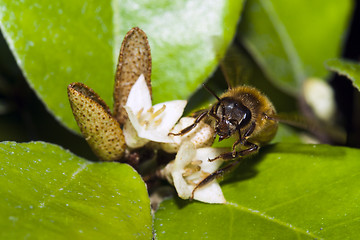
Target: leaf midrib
{"points": [[66, 183], [272, 219]]}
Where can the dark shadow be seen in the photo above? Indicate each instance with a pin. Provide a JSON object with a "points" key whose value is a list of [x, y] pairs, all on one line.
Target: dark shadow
{"points": [[181, 203], [247, 167]]}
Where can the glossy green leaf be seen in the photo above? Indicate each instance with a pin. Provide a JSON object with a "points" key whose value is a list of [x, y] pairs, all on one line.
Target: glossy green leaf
{"points": [[288, 191], [346, 68], [49, 193], [290, 40], [56, 43]]}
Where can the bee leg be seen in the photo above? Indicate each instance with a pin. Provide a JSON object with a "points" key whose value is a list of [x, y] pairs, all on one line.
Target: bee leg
{"points": [[215, 175], [250, 130], [192, 126], [212, 113], [252, 149], [231, 155], [241, 140], [226, 156]]}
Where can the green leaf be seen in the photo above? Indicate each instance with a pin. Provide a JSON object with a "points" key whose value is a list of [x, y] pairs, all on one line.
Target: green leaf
{"points": [[288, 191], [78, 41], [47, 192], [291, 40], [239, 69], [346, 68]]}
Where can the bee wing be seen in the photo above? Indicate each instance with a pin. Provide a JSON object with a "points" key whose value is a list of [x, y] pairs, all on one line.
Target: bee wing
{"points": [[235, 67], [323, 131], [100, 129], [134, 60], [294, 120]]}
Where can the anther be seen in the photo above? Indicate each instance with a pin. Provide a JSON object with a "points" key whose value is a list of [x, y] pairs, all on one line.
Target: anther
{"points": [[158, 112]]}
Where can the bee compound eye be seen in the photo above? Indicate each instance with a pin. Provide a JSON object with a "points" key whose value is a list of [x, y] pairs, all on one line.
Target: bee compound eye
{"points": [[246, 117]]}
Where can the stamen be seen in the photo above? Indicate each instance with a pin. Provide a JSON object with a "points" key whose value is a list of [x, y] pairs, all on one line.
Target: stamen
{"points": [[190, 182], [145, 123], [138, 115], [204, 175], [192, 168], [157, 122], [150, 110], [196, 162], [187, 172], [158, 112]]}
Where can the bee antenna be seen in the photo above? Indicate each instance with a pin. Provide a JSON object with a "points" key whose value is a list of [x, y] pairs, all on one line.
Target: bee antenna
{"points": [[210, 91]]}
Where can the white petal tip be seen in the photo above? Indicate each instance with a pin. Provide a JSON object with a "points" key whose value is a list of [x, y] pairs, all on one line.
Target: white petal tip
{"points": [[210, 194]]}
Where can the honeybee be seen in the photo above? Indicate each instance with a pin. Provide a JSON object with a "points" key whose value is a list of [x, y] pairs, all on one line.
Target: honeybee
{"points": [[242, 111]]}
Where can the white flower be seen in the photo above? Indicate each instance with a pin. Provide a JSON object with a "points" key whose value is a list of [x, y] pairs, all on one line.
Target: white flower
{"points": [[190, 167], [146, 122], [201, 136]]}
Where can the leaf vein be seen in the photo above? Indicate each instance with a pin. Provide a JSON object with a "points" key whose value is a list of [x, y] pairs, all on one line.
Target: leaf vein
{"points": [[273, 219], [73, 176], [343, 223]]}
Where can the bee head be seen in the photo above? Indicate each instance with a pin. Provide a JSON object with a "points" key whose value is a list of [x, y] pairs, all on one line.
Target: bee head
{"points": [[225, 129], [230, 117]]}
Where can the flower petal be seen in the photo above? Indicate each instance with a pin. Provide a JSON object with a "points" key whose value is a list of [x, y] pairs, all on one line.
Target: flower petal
{"points": [[207, 153], [202, 135], [157, 129], [211, 192], [152, 123], [132, 139], [186, 154], [139, 96], [167, 119], [171, 115]]}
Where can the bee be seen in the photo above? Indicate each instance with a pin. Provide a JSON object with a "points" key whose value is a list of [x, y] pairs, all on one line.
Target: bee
{"points": [[244, 112]]}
